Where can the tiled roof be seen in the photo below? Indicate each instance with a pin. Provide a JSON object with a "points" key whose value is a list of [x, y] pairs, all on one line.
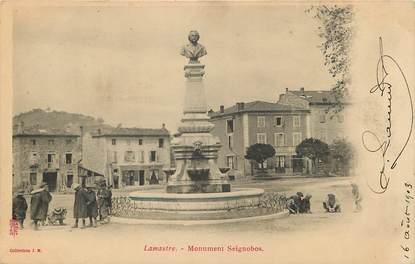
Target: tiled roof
{"points": [[41, 131], [258, 106], [123, 131], [316, 97]]}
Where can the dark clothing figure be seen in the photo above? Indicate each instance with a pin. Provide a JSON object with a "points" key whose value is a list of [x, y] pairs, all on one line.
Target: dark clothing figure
{"points": [[305, 206], [80, 207], [47, 197], [39, 204], [294, 203], [109, 199], [357, 197], [19, 209], [103, 205], [92, 207], [331, 204]]}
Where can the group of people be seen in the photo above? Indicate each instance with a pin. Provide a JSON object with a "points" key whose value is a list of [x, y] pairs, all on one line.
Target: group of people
{"points": [[88, 204], [39, 206], [300, 204]]}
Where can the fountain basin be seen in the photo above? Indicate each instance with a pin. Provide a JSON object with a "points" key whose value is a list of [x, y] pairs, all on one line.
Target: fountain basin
{"points": [[196, 202]]}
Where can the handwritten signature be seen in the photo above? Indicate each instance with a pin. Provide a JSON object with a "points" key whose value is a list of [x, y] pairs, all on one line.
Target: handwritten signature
{"points": [[384, 87]]}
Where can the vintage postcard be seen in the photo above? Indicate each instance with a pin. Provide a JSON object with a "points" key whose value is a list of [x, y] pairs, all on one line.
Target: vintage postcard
{"points": [[207, 132]]}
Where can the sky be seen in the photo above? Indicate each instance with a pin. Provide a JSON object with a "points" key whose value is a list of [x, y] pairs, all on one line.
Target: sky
{"points": [[122, 63]]}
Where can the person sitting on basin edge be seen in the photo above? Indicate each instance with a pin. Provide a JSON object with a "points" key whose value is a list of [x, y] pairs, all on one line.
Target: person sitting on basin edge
{"points": [[331, 204]]}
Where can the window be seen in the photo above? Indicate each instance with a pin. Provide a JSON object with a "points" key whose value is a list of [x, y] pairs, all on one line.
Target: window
{"points": [[68, 158], [114, 158], [33, 141], [230, 141], [153, 156], [278, 121], [296, 139], [322, 116], [261, 121], [51, 157], [68, 141], [230, 162], [261, 138], [129, 156], [229, 126], [51, 142], [296, 121], [114, 141], [69, 180], [33, 158], [280, 162], [33, 178], [161, 142], [140, 157], [140, 141], [279, 139]]}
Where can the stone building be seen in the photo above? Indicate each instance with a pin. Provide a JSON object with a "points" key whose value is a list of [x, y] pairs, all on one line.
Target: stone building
{"points": [[244, 124], [324, 124], [128, 156], [45, 155]]}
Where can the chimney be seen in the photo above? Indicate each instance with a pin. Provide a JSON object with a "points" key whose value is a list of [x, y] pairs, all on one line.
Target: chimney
{"points": [[163, 126], [240, 106], [302, 89], [222, 109], [99, 131], [286, 89], [81, 129]]}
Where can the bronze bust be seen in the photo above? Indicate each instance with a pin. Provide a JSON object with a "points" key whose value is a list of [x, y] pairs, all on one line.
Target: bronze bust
{"points": [[193, 50]]}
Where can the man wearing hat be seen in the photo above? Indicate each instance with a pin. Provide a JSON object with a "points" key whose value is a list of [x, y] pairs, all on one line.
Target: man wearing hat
{"points": [[19, 208], [92, 205], [39, 204], [79, 207]]}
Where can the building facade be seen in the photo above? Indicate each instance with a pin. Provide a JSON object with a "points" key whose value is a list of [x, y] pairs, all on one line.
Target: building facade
{"points": [[45, 155], [325, 124], [245, 124], [128, 156]]}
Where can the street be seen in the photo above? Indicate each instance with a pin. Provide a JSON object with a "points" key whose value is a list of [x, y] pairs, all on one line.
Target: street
{"points": [[275, 237]]}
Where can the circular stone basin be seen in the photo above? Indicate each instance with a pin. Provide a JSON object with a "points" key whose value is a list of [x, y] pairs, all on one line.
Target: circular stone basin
{"points": [[238, 198]]}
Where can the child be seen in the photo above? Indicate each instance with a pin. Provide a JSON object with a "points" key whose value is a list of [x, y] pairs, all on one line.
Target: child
{"points": [[19, 208]]}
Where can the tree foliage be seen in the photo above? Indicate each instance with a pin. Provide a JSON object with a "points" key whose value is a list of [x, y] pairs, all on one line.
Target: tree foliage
{"points": [[336, 32], [260, 153], [313, 149], [342, 152]]}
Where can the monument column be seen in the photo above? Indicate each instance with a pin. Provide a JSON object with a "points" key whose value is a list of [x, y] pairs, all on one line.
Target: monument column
{"points": [[195, 149]]}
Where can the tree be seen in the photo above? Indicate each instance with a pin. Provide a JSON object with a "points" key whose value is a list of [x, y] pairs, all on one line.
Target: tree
{"points": [[336, 32], [341, 151], [314, 149], [260, 153]]}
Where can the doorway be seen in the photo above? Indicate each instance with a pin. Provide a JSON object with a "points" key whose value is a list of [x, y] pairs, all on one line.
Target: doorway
{"points": [[50, 178], [141, 177]]}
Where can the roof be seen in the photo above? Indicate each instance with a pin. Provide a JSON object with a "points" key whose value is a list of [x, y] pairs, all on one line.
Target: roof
{"points": [[125, 132], [257, 106], [316, 97], [41, 131]]}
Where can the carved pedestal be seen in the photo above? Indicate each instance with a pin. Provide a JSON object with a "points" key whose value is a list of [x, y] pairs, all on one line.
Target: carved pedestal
{"points": [[196, 150]]}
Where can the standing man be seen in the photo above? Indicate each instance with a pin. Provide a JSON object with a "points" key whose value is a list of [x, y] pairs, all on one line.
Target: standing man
{"points": [[19, 208], [110, 199], [46, 198], [103, 205], [92, 205], [39, 204], [79, 207]]}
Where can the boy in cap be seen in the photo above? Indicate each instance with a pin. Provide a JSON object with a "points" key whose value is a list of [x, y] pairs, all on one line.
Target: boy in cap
{"points": [[19, 208], [80, 207]]}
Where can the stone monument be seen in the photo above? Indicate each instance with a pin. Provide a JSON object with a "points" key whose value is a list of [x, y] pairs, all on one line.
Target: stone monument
{"points": [[195, 149]]}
